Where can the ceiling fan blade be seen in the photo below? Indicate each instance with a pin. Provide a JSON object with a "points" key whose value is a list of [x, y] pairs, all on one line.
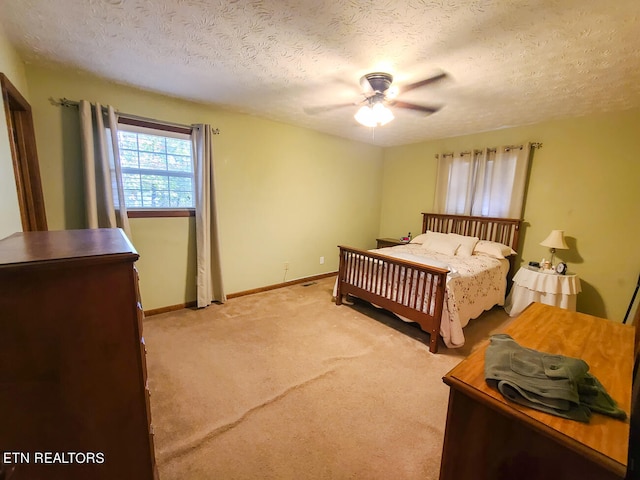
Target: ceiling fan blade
{"points": [[422, 83], [413, 106], [326, 108]]}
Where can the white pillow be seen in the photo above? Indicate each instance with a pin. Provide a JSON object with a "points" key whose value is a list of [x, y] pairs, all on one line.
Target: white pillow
{"points": [[466, 244], [493, 249], [431, 237], [440, 243], [420, 238]]}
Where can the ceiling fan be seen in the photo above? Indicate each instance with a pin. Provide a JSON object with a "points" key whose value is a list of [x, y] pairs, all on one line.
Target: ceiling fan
{"points": [[379, 95]]}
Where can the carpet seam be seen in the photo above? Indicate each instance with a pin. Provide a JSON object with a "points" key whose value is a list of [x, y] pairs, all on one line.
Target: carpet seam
{"points": [[196, 443]]}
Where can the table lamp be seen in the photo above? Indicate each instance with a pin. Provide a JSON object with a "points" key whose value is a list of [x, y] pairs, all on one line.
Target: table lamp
{"points": [[555, 241]]}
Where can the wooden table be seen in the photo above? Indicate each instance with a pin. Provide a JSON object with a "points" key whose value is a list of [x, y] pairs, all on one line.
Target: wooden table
{"points": [[488, 437]]}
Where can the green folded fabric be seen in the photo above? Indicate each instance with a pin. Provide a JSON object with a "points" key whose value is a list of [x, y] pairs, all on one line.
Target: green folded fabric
{"points": [[595, 396], [555, 384]]}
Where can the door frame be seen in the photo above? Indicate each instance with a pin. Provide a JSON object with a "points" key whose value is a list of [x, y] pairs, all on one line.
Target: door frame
{"points": [[26, 168]]}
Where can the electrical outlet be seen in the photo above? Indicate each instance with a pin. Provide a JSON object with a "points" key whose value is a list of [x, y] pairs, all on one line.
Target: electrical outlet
{"points": [[321, 260]]}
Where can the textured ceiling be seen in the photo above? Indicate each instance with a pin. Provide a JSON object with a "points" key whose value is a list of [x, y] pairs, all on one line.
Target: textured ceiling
{"points": [[508, 62]]}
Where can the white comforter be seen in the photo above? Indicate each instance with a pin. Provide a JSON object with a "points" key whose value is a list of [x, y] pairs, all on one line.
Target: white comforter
{"points": [[474, 284]]}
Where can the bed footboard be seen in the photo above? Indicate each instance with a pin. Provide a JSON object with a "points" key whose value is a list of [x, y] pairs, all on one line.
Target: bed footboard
{"points": [[411, 290]]}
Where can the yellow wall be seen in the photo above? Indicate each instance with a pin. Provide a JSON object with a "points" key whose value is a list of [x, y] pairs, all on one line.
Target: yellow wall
{"points": [[288, 194], [11, 66], [584, 180], [285, 194]]}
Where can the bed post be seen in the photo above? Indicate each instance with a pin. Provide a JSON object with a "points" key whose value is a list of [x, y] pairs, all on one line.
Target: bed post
{"points": [[340, 275], [433, 340]]}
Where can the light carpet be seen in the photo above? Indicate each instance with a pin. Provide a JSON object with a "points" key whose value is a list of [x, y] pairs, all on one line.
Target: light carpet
{"points": [[284, 384]]}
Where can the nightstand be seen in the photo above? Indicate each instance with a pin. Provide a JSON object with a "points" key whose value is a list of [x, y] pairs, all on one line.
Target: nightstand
{"points": [[389, 242], [534, 285]]}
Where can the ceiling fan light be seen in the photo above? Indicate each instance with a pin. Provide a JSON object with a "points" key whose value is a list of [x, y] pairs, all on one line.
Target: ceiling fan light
{"points": [[372, 117], [382, 114], [365, 116]]}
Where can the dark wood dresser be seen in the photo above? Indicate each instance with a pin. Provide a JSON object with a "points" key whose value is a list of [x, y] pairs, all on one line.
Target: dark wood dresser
{"points": [[74, 403]]}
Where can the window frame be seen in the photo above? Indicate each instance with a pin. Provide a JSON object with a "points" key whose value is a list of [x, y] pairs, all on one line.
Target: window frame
{"points": [[158, 212]]}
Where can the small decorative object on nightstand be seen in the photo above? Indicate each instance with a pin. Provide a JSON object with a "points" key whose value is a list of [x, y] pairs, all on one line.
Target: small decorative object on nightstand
{"points": [[531, 284]]}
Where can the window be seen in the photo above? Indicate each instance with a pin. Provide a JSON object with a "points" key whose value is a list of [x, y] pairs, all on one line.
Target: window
{"points": [[157, 167], [489, 182]]}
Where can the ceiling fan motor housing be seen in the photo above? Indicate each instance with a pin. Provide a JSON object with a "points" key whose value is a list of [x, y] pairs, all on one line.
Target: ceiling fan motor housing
{"points": [[379, 81]]}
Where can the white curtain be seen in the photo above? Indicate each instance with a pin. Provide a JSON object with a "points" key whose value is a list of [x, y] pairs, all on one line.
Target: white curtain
{"points": [[103, 192], [488, 183], [209, 286]]}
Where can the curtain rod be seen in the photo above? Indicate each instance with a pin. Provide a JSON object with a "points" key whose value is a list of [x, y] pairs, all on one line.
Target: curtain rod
{"points": [[65, 102], [508, 147]]}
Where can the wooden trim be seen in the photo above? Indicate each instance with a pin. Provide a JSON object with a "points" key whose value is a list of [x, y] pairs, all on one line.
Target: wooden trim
{"points": [[280, 285], [25, 158], [138, 122], [173, 308], [160, 212], [170, 308]]}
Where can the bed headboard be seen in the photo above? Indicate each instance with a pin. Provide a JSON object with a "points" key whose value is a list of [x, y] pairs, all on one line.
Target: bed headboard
{"points": [[503, 230]]}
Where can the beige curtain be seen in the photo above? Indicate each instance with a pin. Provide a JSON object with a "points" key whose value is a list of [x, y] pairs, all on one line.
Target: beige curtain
{"points": [[103, 192], [488, 183], [209, 286]]}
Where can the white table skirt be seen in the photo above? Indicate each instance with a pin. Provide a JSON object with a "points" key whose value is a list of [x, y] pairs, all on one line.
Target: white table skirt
{"points": [[549, 288]]}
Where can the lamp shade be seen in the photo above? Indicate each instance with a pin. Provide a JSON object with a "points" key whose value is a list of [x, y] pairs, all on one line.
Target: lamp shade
{"points": [[555, 240]]}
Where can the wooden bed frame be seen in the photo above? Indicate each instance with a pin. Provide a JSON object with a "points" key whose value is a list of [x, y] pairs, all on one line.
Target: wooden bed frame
{"points": [[359, 269]]}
